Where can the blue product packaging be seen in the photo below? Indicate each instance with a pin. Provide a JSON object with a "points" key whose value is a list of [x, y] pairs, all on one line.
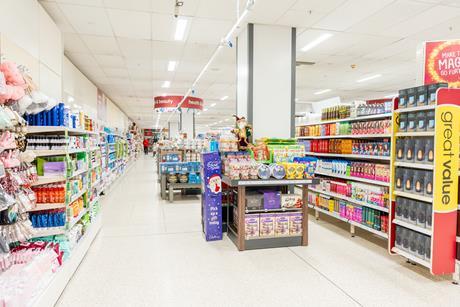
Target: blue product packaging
{"points": [[61, 114], [211, 200], [66, 116]]}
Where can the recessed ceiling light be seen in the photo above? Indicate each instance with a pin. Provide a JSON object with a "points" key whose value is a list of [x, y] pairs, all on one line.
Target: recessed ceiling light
{"points": [[172, 65], [316, 42], [166, 84], [205, 110], [213, 105], [181, 26], [223, 98], [369, 78], [322, 91]]}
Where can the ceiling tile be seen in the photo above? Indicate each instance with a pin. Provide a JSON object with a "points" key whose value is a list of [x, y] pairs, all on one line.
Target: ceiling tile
{"points": [[297, 18], [135, 47], [268, 11], [131, 24], [116, 72], [134, 5], [390, 15], [87, 20], [112, 61], [423, 21], [350, 13], [167, 7], [81, 60], [208, 31], [167, 50], [317, 5], [74, 43], [58, 16], [217, 9], [82, 2], [101, 44]]}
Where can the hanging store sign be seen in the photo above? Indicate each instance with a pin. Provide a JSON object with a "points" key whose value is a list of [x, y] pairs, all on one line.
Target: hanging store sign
{"points": [[163, 103], [442, 62]]}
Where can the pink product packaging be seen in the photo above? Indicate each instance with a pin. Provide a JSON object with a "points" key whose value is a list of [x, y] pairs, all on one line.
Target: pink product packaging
{"points": [[251, 226], [281, 224], [267, 225], [359, 214], [295, 224], [343, 210]]}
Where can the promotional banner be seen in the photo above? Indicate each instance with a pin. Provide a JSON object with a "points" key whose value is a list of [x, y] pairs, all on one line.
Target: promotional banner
{"points": [[169, 102], [442, 62], [211, 200]]}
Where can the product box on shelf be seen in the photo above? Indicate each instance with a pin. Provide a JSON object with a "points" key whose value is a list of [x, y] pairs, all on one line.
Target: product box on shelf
{"points": [[291, 201], [251, 223], [295, 224], [272, 199], [211, 199], [281, 224], [267, 225]]}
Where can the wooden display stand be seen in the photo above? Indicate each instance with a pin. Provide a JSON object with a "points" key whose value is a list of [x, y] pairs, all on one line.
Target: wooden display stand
{"points": [[237, 234], [445, 184]]}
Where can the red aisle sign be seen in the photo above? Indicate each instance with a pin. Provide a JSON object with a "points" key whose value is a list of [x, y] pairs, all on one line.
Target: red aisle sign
{"points": [[442, 62], [173, 102]]}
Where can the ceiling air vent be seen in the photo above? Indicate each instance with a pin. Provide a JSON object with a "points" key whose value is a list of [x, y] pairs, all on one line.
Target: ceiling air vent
{"points": [[304, 63]]}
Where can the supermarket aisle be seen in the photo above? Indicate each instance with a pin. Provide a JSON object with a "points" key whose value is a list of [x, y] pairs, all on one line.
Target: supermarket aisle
{"points": [[151, 253]]}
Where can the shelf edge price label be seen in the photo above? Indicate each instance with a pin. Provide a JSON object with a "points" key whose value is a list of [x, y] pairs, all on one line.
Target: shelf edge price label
{"points": [[446, 162]]}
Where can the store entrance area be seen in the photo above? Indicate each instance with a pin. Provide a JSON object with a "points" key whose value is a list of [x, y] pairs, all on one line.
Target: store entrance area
{"points": [[151, 252]]}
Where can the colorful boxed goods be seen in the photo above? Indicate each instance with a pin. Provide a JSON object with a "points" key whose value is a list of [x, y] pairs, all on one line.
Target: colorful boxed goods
{"points": [[337, 112], [295, 224], [294, 170], [251, 223], [254, 200], [272, 199], [367, 170], [281, 224], [419, 96], [267, 225], [211, 200], [277, 171], [291, 201], [373, 107], [310, 165], [286, 153], [413, 211], [50, 193], [50, 218]]}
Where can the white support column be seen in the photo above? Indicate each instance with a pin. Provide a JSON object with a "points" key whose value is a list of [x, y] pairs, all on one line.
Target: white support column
{"points": [[173, 129], [266, 79], [187, 123]]}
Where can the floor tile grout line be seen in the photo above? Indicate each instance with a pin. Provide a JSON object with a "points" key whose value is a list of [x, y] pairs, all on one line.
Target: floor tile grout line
{"points": [[326, 277]]}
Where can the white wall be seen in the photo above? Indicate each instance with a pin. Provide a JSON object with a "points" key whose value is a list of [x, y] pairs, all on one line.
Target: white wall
{"points": [[31, 38], [28, 36], [242, 74]]}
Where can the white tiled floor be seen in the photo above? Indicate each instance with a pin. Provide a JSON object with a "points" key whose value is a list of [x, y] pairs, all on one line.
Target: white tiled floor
{"points": [[151, 253]]}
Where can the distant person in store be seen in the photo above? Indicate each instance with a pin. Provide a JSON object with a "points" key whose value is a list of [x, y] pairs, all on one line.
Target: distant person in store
{"points": [[146, 146]]}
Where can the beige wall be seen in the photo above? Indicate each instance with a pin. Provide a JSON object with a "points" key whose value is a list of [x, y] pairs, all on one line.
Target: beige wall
{"points": [[28, 36]]}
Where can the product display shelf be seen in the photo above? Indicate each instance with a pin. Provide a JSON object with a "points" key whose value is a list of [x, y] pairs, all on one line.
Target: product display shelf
{"points": [[416, 133], [348, 156], [48, 231], [411, 257], [49, 206], [57, 152], [56, 285], [273, 210], [414, 196], [416, 109], [376, 182], [440, 239], [46, 180], [352, 223], [57, 130], [349, 199], [77, 196], [425, 231], [352, 119], [414, 165], [76, 219], [237, 234], [345, 136]]}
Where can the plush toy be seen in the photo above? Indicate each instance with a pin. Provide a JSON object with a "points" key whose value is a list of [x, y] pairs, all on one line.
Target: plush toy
{"points": [[243, 132]]}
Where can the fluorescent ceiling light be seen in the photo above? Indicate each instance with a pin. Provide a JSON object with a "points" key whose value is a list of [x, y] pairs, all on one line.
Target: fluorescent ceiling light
{"points": [[391, 95], [205, 110], [223, 98], [181, 26], [369, 78], [316, 42], [172, 65], [166, 84], [213, 105], [322, 91]]}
